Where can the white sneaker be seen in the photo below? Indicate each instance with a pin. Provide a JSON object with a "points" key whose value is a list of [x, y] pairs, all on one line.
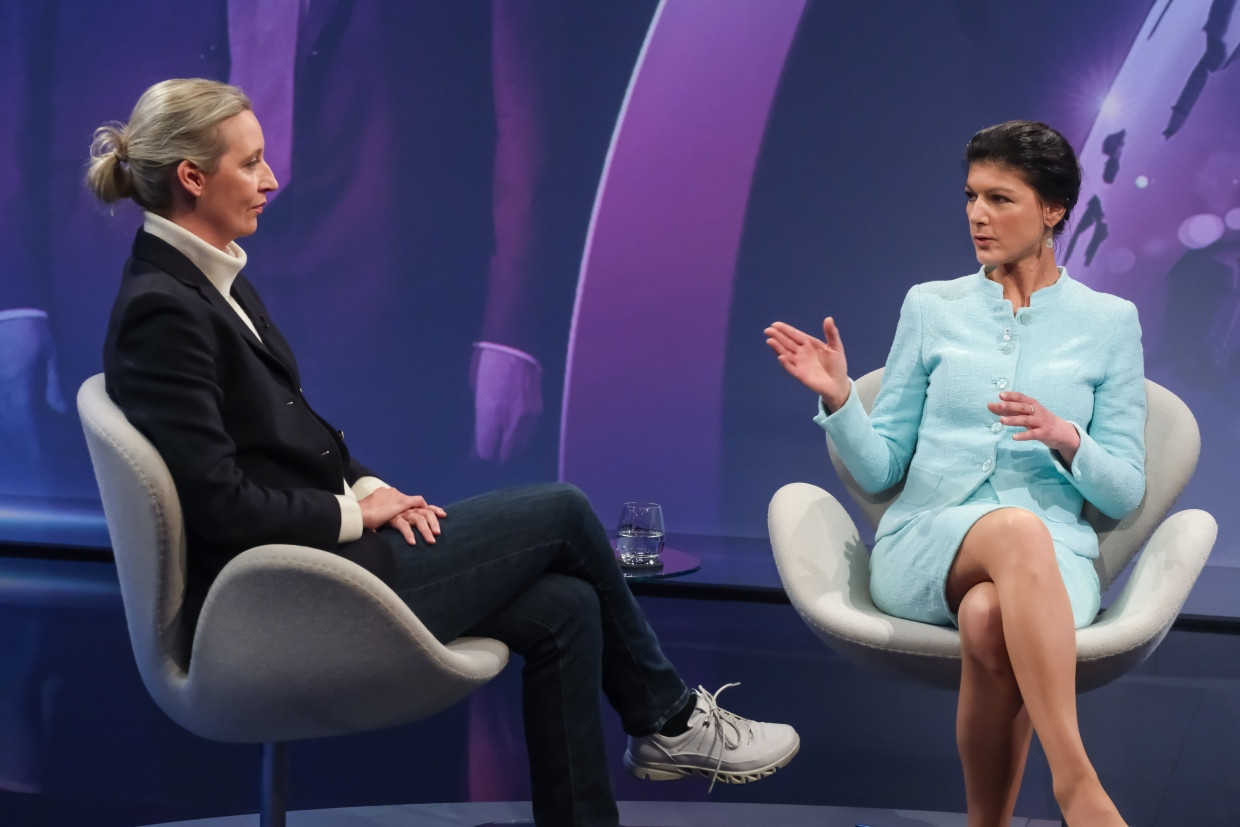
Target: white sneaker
{"points": [[718, 745]]}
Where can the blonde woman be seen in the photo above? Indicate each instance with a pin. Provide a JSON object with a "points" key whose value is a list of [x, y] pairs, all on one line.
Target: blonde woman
{"points": [[197, 364]]}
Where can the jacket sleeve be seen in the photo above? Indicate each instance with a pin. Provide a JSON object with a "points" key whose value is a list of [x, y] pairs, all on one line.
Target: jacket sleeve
{"points": [[1109, 466], [162, 373], [877, 448]]}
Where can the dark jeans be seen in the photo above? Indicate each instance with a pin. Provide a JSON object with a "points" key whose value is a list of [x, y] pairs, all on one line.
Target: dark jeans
{"points": [[533, 567]]}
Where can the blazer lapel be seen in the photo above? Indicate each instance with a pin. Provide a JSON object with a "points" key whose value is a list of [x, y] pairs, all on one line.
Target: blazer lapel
{"points": [[172, 261], [276, 345]]}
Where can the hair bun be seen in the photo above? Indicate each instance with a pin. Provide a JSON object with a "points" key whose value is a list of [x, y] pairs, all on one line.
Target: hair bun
{"points": [[108, 174]]}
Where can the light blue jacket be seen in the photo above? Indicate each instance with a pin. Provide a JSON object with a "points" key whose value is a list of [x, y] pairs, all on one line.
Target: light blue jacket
{"points": [[1075, 350]]}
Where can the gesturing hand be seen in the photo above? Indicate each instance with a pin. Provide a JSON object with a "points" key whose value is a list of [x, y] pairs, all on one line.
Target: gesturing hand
{"points": [[1024, 411], [819, 364], [403, 512]]}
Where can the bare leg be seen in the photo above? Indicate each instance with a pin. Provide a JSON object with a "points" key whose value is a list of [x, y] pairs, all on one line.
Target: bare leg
{"points": [[992, 728], [1012, 549]]}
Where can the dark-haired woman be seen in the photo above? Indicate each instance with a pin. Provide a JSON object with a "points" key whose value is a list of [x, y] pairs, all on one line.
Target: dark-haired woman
{"points": [[1010, 397]]}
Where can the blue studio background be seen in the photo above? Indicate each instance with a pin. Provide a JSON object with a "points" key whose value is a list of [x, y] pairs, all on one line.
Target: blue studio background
{"points": [[621, 195]]}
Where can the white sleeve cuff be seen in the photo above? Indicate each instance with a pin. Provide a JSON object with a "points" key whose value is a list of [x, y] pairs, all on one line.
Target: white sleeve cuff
{"points": [[350, 519], [365, 486]]}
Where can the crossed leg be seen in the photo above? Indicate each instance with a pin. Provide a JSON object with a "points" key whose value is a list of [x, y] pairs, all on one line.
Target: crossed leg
{"points": [[1018, 672], [993, 729]]}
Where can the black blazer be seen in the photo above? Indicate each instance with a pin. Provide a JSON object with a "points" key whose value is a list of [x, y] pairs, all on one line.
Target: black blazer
{"points": [[252, 462]]}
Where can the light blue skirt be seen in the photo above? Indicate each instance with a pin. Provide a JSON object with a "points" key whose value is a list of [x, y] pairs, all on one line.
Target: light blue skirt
{"points": [[908, 569]]}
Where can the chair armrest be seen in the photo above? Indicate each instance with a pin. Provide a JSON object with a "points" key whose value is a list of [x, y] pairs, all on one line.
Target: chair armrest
{"points": [[825, 569], [1151, 600], [817, 547], [295, 642]]}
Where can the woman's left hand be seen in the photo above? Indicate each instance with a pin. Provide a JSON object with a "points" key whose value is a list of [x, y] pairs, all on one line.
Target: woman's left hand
{"points": [[421, 518], [1021, 411]]}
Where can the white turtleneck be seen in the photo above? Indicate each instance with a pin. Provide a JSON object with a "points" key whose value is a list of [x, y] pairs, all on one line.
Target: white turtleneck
{"points": [[221, 268]]}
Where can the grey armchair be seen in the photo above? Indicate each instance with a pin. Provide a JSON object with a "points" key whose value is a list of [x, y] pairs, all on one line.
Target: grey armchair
{"points": [[292, 642], [824, 565]]}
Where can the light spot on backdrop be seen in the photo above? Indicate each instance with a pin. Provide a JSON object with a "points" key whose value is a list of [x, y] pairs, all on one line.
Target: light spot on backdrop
{"points": [[1201, 230], [1120, 260], [1153, 246]]}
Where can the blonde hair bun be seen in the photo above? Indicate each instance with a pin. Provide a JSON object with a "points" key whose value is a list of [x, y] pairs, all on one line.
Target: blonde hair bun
{"points": [[108, 176], [173, 121]]}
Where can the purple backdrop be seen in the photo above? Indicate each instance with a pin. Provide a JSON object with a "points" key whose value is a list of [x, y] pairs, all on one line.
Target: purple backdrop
{"points": [[662, 178]]}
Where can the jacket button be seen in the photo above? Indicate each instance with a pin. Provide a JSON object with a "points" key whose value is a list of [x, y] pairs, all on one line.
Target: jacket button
{"points": [[996, 427], [987, 465], [1025, 319], [1001, 382]]}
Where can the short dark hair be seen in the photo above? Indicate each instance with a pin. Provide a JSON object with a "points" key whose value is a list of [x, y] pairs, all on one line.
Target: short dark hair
{"points": [[1041, 156]]}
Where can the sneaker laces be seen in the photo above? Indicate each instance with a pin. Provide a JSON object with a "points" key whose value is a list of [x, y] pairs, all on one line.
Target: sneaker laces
{"points": [[730, 728]]}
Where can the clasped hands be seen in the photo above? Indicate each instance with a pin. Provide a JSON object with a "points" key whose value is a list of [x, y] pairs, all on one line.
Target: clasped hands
{"points": [[403, 512], [819, 364]]}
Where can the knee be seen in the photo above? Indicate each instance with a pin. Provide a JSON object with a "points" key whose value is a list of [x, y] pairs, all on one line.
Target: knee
{"points": [[1027, 542], [1022, 526], [575, 497], [981, 629], [568, 612], [578, 598], [568, 497]]}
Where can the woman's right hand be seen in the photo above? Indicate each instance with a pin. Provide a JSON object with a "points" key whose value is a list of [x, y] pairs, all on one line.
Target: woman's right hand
{"points": [[819, 364], [403, 512]]}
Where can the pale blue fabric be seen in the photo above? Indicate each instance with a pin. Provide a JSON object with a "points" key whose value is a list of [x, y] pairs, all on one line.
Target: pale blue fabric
{"points": [[957, 345]]}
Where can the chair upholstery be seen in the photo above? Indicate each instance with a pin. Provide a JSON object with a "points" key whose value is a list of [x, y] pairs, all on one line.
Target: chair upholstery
{"points": [[824, 565], [292, 642]]}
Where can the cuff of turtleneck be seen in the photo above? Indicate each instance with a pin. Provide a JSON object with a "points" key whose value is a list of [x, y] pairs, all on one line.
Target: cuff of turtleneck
{"points": [[220, 266]]}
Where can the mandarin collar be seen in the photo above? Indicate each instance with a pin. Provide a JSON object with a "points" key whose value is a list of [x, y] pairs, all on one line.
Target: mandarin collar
{"points": [[1042, 296]]}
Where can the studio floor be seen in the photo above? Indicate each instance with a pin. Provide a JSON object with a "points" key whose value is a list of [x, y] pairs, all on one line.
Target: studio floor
{"points": [[82, 744], [632, 814]]}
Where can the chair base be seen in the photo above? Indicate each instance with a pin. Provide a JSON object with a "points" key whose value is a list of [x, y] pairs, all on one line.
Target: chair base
{"points": [[274, 785]]}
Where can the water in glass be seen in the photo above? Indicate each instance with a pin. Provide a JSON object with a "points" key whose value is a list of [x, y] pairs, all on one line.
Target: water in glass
{"points": [[639, 539]]}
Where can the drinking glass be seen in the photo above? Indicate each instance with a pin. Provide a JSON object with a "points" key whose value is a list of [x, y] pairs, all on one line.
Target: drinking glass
{"points": [[640, 540]]}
